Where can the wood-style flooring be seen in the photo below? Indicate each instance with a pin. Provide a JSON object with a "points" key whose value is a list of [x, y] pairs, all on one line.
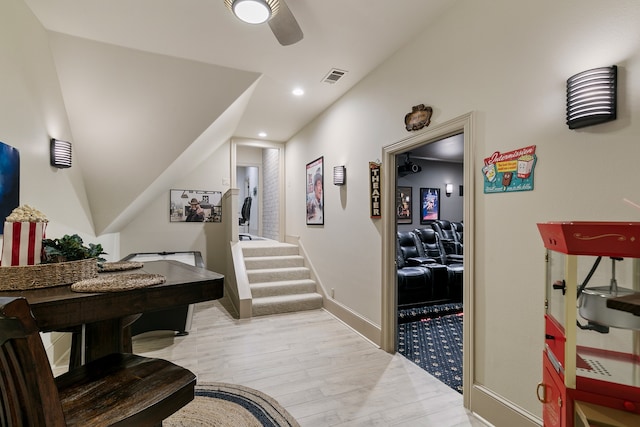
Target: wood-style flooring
{"points": [[320, 370]]}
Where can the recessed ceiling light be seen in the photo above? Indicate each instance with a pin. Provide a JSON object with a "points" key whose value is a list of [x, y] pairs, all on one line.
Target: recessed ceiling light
{"points": [[298, 91], [262, 134]]}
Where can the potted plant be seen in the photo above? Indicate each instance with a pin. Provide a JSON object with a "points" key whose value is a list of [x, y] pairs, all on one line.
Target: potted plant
{"points": [[69, 248]]}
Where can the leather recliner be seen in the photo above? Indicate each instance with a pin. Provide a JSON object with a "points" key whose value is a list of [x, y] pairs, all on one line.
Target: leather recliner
{"points": [[433, 248], [447, 236], [412, 251], [459, 229], [414, 282]]}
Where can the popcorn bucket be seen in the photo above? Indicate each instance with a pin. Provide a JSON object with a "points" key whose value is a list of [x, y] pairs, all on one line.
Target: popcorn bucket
{"points": [[22, 243]]}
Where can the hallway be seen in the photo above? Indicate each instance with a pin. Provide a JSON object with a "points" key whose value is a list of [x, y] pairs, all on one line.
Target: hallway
{"points": [[323, 372]]}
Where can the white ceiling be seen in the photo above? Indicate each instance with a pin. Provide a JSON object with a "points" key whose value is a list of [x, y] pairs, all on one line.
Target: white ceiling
{"points": [[155, 75]]}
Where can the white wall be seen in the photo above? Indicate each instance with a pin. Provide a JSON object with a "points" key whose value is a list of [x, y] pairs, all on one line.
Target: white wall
{"points": [[507, 61], [153, 231]]}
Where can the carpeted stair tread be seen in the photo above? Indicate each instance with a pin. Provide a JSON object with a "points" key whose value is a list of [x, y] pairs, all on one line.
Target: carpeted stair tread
{"points": [[278, 274], [282, 287], [283, 261], [286, 303], [274, 249]]}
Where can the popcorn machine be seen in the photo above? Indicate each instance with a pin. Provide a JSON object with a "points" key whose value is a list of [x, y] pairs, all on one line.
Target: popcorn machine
{"points": [[591, 357]]}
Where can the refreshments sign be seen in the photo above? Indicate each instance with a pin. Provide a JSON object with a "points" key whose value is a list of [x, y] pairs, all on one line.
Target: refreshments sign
{"points": [[511, 171]]}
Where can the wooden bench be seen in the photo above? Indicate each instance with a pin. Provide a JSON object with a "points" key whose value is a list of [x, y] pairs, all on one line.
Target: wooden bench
{"points": [[119, 389]]}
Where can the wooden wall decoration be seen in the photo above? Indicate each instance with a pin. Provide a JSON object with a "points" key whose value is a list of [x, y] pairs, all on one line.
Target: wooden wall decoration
{"points": [[419, 117]]}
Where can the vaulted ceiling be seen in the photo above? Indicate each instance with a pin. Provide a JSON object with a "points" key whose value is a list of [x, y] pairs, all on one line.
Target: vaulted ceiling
{"points": [[153, 86]]}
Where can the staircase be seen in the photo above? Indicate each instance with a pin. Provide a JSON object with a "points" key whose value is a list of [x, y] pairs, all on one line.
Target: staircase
{"points": [[278, 279]]}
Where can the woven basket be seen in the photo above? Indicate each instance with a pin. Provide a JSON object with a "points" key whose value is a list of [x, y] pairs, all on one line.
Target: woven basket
{"points": [[26, 277]]}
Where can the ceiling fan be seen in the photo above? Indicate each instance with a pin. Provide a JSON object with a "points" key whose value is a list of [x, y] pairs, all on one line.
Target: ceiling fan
{"points": [[276, 12]]}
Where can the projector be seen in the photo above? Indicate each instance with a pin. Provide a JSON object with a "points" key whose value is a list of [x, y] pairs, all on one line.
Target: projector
{"points": [[408, 168]]}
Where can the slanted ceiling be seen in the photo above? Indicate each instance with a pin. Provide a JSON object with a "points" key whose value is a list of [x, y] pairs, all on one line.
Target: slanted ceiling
{"points": [[133, 113]]}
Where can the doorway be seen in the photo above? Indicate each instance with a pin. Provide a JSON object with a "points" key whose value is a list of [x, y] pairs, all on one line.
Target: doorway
{"points": [[248, 178], [461, 125], [429, 199], [257, 171]]}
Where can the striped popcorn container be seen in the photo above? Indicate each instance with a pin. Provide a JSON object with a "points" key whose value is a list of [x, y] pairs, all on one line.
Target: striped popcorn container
{"points": [[22, 243]]}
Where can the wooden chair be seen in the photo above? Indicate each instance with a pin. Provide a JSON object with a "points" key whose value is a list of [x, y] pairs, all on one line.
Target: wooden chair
{"points": [[120, 389]]}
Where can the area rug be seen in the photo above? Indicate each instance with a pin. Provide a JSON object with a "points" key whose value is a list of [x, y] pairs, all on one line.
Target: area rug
{"points": [[435, 344], [221, 404]]}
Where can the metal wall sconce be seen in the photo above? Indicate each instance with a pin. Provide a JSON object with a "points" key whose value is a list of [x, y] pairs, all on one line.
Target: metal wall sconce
{"points": [[591, 97], [339, 175], [448, 189], [60, 153]]}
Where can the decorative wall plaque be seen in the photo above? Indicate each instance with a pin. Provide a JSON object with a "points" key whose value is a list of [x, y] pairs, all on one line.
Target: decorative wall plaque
{"points": [[374, 190], [419, 117]]}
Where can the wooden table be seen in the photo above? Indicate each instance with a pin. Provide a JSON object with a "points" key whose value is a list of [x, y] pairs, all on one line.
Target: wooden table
{"points": [[103, 316]]}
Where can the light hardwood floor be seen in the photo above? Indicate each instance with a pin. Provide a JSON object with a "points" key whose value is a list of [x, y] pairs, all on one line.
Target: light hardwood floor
{"points": [[323, 372]]}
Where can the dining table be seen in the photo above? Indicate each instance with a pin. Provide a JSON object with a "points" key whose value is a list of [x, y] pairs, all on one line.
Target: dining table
{"points": [[104, 317]]}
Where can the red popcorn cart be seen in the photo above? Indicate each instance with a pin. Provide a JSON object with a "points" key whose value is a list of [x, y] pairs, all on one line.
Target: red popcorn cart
{"points": [[591, 357]]}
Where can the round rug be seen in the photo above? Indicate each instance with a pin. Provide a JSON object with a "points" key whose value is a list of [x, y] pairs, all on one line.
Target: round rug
{"points": [[222, 404]]}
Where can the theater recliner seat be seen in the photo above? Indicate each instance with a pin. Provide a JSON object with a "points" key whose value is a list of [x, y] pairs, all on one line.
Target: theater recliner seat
{"points": [[411, 250], [433, 248], [415, 285], [448, 236]]}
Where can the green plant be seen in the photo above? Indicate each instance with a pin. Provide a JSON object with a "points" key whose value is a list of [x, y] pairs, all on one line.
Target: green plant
{"points": [[69, 248]]}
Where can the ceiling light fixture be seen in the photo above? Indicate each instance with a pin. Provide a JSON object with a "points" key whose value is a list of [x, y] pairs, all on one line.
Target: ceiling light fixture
{"points": [[253, 11], [262, 134], [298, 91]]}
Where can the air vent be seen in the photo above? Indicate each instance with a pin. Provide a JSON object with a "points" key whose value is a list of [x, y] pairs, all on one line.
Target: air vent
{"points": [[334, 75]]}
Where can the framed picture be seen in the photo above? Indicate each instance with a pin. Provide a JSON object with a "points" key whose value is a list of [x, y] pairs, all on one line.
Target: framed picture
{"points": [[403, 205], [195, 206], [429, 205], [315, 194], [9, 181]]}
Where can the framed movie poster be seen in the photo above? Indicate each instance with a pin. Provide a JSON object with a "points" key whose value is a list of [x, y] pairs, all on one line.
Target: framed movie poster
{"points": [[195, 206], [9, 181], [429, 205], [403, 205], [315, 193]]}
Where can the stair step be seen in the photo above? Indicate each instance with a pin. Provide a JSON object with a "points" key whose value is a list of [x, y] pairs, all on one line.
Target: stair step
{"points": [[256, 263], [262, 250], [283, 287], [286, 304], [278, 274]]}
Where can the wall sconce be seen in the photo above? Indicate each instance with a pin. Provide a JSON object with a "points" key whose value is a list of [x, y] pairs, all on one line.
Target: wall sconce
{"points": [[339, 175], [448, 189], [60, 153], [591, 97]]}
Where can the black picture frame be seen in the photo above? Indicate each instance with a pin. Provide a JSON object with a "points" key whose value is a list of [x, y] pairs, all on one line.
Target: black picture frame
{"points": [[314, 184], [429, 205], [404, 205], [209, 203]]}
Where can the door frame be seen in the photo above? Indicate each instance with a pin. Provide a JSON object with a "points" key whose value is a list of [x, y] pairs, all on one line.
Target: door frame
{"points": [[234, 143], [463, 124]]}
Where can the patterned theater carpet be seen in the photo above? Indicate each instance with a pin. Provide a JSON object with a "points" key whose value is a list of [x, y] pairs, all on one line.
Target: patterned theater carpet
{"points": [[221, 404], [413, 314], [435, 344]]}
